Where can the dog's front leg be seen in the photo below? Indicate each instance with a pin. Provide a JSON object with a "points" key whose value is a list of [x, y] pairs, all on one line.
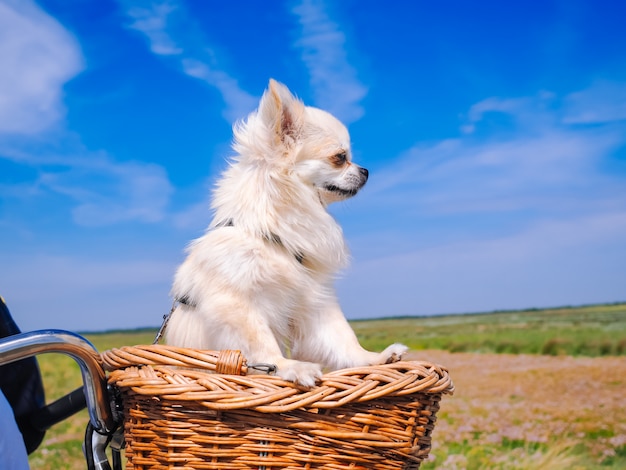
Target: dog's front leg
{"points": [[324, 336], [261, 347], [245, 329]]}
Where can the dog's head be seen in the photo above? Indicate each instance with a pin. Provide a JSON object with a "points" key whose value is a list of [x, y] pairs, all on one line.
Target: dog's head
{"points": [[305, 142]]}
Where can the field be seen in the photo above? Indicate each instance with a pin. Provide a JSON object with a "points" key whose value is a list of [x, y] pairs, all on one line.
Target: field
{"points": [[534, 389], [598, 330]]}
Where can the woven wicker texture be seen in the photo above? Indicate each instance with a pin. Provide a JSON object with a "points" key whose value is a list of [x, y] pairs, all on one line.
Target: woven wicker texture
{"points": [[182, 411]]}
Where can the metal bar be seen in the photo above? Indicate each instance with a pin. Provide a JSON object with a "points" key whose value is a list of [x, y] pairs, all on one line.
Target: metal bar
{"points": [[53, 413], [14, 348]]}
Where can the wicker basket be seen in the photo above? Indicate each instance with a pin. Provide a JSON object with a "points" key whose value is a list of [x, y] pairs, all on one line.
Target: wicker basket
{"points": [[190, 409]]}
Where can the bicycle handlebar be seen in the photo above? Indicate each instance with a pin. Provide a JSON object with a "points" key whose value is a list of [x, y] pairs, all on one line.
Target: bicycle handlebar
{"points": [[21, 346]]}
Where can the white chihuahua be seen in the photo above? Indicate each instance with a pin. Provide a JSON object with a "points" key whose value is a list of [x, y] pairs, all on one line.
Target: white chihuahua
{"points": [[261, 278]]}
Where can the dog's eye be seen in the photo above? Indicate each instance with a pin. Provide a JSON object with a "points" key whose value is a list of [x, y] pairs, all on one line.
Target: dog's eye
{"points": [[340, 158]]}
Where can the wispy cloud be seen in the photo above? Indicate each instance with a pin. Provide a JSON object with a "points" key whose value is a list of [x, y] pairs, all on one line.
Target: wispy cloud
{"points": [[603, 102], [152, 20], [549, 263], [171, 32], [533, 182], [238, 102], [538, 158], [101, 190], [130, 292], [118, 191], [323, 45], [532, 112], [37, 57]]}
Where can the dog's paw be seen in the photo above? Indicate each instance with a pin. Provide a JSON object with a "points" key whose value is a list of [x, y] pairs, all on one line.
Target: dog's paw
{"points": [[392, 353], [302, 373]]}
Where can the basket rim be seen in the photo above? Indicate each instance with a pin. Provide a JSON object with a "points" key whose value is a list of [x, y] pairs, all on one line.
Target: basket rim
{"points": [[186, 375]]}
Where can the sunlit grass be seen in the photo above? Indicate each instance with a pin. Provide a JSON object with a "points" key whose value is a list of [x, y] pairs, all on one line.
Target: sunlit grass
{"points": [[517, 455], [553, 403], [598, 330]]}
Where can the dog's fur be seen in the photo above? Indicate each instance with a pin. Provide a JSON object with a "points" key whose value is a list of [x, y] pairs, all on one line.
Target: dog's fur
{"points": [[261, 278]]}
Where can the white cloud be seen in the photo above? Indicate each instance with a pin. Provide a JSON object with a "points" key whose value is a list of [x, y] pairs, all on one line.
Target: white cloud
{"points": [[52, 291], [117, 192], [152, 21], [173, 33], [37, 56], [194, 217], [551, 263], [239, 103], [528, 113], [335, 83], [540, 164], [603, 102], [530, 216], [101, 190]]}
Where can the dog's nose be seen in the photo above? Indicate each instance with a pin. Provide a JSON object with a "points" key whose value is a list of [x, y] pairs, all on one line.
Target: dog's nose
{"points": [[364, 172]]}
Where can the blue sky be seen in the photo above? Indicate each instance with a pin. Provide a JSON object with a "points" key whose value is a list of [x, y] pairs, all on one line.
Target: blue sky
{"points": [[494, 132]]}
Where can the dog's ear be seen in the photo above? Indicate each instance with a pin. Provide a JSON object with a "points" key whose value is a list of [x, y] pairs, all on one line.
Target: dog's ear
{"points": [[282, 114]]}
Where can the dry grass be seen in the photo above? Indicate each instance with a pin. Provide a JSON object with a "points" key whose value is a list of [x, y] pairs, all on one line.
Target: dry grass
{"points": [[508, 412], [524, 411], [519, 412]]}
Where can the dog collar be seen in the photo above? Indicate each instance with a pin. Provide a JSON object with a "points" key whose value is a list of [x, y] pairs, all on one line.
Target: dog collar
{"points": [[271, 237]]}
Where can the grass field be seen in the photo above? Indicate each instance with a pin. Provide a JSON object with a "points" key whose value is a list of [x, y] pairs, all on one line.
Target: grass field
{"points": [[597, 330], [539, 389]]}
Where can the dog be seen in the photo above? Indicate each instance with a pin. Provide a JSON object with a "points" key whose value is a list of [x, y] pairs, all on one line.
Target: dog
{"points": [[260, 279]]}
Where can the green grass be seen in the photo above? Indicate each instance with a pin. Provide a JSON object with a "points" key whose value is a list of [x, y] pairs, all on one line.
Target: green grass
{"points": [[62, 447], [519, 455], [596, 330], [109, 340]]}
